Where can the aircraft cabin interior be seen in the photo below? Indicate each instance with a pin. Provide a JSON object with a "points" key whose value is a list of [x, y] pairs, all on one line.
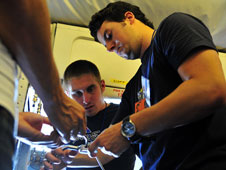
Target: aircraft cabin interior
{"points": [[71, 41]]}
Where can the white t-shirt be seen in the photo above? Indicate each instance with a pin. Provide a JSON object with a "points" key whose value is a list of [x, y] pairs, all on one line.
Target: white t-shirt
{"points": [[8, 80]]}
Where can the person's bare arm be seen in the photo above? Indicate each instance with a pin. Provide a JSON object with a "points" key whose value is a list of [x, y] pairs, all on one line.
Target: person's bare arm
{"points": [[203, 91], [82, 160], [58, 159], [25, 30], [29, 129]]}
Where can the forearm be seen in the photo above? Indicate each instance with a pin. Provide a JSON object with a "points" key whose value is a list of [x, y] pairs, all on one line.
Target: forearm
{"points": [[25, 30], [189, 102], [84, 160], [202, 91]]}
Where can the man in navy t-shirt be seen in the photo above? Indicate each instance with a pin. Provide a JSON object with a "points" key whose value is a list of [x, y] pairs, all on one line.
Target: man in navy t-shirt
{"points": [[83, 82], [173, 111]]}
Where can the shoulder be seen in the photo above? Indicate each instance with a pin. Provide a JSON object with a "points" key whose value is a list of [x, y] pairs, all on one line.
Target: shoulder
{"points": [[113, 106], [112, 109], [177, 16], [179, 35], [182, 20]]}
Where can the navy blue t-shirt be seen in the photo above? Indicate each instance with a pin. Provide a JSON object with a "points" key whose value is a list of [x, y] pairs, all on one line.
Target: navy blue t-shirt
{"points": [[198, 145]]}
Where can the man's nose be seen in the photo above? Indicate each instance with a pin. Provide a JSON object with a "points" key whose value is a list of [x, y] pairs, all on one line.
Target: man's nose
{"points": [[110, 46], [86, 98]]}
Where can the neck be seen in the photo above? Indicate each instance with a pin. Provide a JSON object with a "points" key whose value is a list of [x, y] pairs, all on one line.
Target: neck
{"points": [[147, 34], [104, 105]]}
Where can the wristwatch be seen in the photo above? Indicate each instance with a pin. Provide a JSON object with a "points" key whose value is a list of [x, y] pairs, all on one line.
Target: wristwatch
{"points": [[128, 130]]}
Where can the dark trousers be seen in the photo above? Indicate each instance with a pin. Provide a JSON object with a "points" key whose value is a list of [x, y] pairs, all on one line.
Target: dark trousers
{"points": [[7, 142]]}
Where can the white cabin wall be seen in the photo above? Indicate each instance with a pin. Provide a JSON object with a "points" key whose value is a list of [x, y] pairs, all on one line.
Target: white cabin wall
{"points": [[74, 43]]}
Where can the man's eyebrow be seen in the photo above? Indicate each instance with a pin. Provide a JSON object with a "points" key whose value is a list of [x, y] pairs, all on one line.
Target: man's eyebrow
{"points": [[92, 85]]}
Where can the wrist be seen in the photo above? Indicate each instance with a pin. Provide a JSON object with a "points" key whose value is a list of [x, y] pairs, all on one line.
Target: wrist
{"points": [[128, 130]]}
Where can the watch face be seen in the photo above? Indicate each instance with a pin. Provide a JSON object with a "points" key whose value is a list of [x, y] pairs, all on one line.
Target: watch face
{"points": [[128, 129]]}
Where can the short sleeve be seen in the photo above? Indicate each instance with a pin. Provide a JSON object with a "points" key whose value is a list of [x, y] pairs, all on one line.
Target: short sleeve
{"points": [[180, 34]]}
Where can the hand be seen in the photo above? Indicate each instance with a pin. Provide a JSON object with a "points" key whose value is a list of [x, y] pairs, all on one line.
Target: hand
{"points": [[68, 117], [58, 159], [29, 128], [110, 141]]}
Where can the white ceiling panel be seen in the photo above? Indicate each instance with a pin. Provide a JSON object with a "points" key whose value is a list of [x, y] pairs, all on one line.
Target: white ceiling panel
{"points": [[211, 12]]}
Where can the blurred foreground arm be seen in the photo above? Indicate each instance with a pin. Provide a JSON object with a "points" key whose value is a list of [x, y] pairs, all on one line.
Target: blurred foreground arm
{"points": [[25, 30]]}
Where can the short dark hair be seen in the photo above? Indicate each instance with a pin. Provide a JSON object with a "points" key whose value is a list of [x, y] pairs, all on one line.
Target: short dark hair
{"points": [[115, 12], [79, 67]]}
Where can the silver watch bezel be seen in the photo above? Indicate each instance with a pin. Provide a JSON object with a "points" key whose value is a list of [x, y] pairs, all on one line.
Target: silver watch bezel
{"points": [[125, 134]]}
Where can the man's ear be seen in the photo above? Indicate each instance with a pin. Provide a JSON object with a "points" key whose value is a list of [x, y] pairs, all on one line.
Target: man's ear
{"points": [[130, 17], [102, 85]]}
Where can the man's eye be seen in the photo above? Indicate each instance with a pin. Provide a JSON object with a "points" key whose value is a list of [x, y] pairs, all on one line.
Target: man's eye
{"points": [[77, 94], [108, 36], [90, 89]]}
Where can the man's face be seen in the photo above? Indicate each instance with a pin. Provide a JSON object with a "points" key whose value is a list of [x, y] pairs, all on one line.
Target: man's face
{"points": [[119, 37], [88, 92]]}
